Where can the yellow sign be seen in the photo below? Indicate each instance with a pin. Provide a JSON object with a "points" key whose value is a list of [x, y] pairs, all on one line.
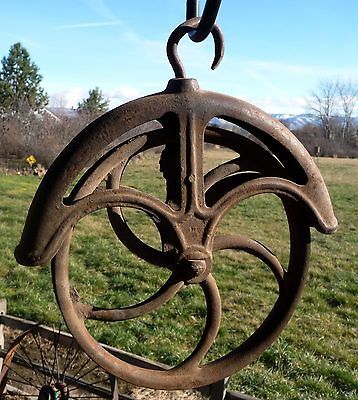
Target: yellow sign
{"points": [[31, 160]]}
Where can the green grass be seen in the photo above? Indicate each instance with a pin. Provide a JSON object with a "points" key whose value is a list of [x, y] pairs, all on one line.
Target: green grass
{"points": [[315, 357]]}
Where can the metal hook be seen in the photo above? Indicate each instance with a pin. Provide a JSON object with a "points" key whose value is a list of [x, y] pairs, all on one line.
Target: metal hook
{"points": [[207, 20], [187, 27]]}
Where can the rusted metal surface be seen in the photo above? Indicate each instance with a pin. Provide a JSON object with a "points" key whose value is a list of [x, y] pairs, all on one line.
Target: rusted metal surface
{"points": [[269, 159], [187, 221]]}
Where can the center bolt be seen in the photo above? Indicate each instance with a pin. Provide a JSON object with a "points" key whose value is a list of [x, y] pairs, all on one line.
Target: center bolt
{"points": [[195, 264]]}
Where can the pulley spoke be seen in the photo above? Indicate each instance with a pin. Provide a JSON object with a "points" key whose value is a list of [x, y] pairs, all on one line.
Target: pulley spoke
{"points": [[165, 293], [182, 162], [213, 304], [117, 158], [238, 191], [135, 244], [122, 197], [253, 247], [221, 171], [63, 290], [192, 137]]}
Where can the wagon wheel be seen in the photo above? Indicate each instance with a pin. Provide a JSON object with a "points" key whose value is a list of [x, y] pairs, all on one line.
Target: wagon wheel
{"points": [[45, 369]]}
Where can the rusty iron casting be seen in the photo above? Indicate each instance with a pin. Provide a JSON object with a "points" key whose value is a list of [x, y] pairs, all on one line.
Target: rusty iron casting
{"points": [[269, 159]]}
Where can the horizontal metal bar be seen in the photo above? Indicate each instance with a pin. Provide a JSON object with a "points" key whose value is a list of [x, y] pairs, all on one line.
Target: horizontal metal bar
{"points": [[232, 395]]}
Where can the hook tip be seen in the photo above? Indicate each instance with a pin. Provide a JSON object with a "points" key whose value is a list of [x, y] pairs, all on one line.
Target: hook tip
{"points": [[219, 46], [217, 60]]}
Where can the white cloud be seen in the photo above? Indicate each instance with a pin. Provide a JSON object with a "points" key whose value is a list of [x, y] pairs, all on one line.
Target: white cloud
{"points": [[89, 25], [281, 105], [68, 98], [122, 95], [71, 98]]}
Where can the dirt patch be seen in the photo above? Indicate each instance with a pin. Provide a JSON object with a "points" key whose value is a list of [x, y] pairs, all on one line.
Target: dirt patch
{"points": [[149, 394]]}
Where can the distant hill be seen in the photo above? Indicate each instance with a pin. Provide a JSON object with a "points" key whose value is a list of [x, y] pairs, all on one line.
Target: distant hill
{"points": [[296, 122], [292, 121]]}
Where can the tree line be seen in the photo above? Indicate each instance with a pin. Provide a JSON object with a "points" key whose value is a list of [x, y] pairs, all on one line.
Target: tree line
{"points": [[334, 104], [24, 123], [21, 91], [25, 126]]}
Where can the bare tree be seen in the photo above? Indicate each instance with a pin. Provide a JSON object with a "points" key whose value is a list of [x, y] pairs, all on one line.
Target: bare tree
{"points": [[348, 97], [323, 104]]}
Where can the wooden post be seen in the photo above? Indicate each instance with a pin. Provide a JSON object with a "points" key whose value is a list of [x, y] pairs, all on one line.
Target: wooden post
{"points": [[114, 387], [2, 339], [218, 389]]}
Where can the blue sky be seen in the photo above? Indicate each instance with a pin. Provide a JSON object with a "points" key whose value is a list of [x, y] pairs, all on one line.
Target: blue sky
{"points": [[276, 50]]}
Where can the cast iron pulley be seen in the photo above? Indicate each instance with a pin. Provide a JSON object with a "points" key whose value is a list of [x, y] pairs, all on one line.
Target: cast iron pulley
{"points": [[269, 159]]}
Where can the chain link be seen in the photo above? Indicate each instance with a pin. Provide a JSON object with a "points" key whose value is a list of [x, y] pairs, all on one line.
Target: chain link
{"points": [[207, 20]]}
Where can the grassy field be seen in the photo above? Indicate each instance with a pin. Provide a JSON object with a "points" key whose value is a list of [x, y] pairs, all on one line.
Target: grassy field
{"points": [[315, 357]]}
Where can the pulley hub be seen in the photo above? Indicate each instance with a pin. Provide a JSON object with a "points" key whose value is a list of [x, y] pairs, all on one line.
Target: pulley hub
{"points": [[195, 264]]}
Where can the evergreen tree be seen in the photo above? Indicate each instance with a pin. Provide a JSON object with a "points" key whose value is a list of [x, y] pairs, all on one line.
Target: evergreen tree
{"points": [[20, 89], [95, 104]]}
